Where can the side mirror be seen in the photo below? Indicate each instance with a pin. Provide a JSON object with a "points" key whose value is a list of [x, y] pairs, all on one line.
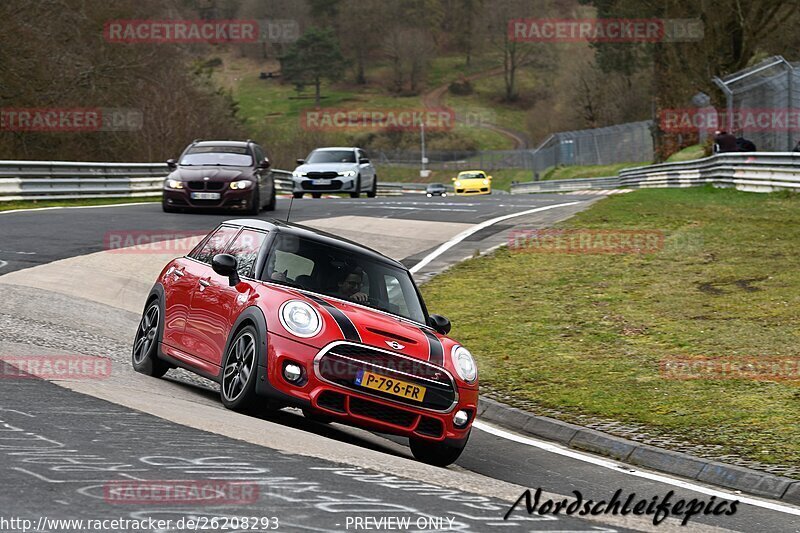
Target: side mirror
{"points": [[453, 179], [172, 164], [364, 160], [301, 161], [439, 323], [225, 265], [489, 178], [265, 163]]}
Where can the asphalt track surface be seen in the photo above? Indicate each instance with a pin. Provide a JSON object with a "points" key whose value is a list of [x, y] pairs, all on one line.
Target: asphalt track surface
{"points": [[314, 477]]}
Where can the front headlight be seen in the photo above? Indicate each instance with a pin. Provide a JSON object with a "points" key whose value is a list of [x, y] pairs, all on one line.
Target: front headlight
{"points": [[241, 184], [486, 182], [174, 184], [300, 319], [458, 184], [349, 173], [464, 364], [296, 174]]}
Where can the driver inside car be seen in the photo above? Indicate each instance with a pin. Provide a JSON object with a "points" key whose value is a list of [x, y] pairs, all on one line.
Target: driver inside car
{"points": [[349, 286]]}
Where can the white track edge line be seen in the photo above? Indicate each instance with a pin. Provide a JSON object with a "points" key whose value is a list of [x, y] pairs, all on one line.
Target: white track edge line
{"points": [[605, 463], [474, 229]]}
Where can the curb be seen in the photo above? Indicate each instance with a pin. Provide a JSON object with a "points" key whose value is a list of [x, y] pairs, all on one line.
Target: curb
{"points": [[676, 463]]}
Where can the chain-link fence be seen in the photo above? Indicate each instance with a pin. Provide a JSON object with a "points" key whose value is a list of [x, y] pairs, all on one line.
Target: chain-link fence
{"points": [[623, 143], [763, 104]]}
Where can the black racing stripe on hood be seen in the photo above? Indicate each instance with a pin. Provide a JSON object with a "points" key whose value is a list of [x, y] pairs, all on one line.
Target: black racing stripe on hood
{"points": [[345, 324], [436, 353]]}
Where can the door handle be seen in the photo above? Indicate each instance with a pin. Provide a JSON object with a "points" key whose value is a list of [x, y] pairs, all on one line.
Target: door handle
{"points": [[178, 273], [204, 283]]}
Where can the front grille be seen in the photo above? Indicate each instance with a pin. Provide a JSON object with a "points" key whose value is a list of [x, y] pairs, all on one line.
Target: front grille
{"points": [[322, 175], [342, 363], [430, 427], [308, 185], [377, 411], [205, 185]]}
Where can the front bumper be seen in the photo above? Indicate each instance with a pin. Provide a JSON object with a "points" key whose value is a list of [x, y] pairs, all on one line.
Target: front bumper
{"points": [[229, 199], [472, 191], [336, 184], [350, 404]]}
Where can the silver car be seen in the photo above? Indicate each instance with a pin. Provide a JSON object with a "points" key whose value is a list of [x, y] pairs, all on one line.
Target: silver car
{"points": [[329, 170]]}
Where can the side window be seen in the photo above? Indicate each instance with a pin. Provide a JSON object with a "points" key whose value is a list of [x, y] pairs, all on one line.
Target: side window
{"points": [[395, 294], [216, 244], [290, 265], [259, 153], [245, 249]]}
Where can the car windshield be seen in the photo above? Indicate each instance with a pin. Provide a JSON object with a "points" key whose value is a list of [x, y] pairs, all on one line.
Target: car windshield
{"points": [[318, 267], [227, 156], [331, 156], [470, 176], [436, 186]]}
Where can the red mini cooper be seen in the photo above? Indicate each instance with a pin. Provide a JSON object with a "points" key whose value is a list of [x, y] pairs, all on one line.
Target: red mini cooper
{"points": [[283, 315]]}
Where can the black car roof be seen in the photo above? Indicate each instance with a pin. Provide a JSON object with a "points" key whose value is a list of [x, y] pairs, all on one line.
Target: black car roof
{"points": [[313, 234], [222, 143]]}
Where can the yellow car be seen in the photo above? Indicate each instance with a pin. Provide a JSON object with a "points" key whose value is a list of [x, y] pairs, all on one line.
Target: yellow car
{"points": [[471, 182]]}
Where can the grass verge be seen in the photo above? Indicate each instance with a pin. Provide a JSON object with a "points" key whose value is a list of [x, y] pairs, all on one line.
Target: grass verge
{"points": [[696, 151], [585, 333], [587, 171], [34, 204]]}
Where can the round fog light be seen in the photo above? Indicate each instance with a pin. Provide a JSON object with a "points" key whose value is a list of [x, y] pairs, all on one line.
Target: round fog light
{"points": [[292, 372], [461, 418]]}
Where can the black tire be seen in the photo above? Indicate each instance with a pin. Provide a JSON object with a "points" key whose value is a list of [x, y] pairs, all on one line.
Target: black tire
{"points": [[436, 453], [238, 383], [317, 417], [316, 195], [297, 194], [144, 354], [272, 200], [373, 192], [357, 192], [255, 203]]}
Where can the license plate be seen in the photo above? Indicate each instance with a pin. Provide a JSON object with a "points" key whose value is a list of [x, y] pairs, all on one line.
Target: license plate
{"points": [[321, 182], [205, 196], [392, 386]]}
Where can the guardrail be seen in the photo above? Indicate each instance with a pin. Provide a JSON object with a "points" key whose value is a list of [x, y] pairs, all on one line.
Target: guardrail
{"points": [[577, 184], [63, 180], [752, 171]]}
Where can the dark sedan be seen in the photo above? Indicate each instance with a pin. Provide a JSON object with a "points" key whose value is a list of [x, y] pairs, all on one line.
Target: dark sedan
{"points": [[214, 175], [435, 189]]}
